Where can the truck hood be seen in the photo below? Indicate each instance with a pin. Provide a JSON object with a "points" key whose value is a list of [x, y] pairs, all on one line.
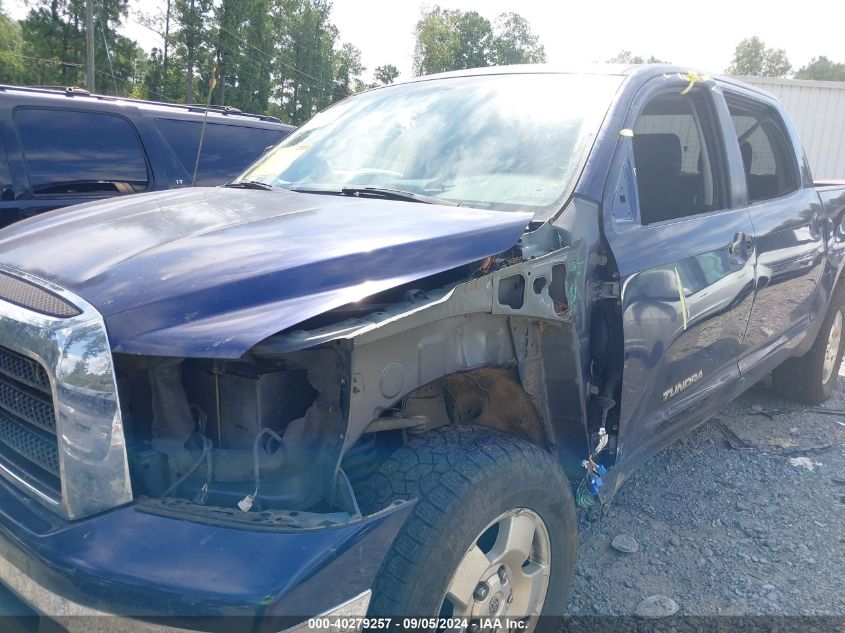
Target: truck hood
{"points": [[210, 272]]}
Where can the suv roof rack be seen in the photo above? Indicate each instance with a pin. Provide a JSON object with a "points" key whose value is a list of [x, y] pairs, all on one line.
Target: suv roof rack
{"points": [[73, 91]]}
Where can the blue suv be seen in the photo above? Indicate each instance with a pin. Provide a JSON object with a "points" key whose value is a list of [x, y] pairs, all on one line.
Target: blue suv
{"points": [[65, 147]]}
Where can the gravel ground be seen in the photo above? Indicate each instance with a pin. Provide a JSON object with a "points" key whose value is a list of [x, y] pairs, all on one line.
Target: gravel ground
{"points": [[725, 523]]}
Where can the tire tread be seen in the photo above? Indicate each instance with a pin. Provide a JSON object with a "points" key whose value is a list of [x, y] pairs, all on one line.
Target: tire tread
{"points": [[437, 467]]}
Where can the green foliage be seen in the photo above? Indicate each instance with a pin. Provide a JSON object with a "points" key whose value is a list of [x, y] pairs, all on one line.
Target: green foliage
{"points": [[281, 57], [53, 37], [452, 39], [515, 43], [385, 74], [823, 69], [626, 57], [12, 62], [347, 68], [192, 42], [751, 57], [303, 65]]}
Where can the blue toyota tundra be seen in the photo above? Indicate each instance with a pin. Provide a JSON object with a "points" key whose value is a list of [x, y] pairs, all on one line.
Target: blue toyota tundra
{"points": [[375, 374]]}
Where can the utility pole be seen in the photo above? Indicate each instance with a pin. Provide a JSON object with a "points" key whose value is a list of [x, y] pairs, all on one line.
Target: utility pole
{"points": [[166, 36], [89, 45]]}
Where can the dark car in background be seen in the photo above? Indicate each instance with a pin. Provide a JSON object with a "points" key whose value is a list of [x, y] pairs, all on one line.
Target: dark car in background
{"points": [[60, 147]]}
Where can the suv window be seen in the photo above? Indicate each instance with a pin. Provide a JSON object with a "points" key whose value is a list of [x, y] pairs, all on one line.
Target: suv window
{"points": [[677, 161], [69, 152], [767, 154], [226, 149]]}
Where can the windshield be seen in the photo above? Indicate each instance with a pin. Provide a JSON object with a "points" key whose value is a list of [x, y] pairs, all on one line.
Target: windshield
{"points": [[507, 142]]}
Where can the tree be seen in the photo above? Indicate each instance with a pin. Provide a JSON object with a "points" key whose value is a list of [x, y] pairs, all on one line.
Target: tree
{"points": [[12, 66], [347, 71], [452, 40], [161, 80], [304, 59], [281, 57], [53, 36], [626, 57], [751, 57], [192, 38], [229, 19], [385, 74], [823, 69], [515, 43]]}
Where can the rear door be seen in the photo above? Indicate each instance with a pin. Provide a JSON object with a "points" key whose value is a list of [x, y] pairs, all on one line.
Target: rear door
{"points": [[684, 248], [787, 222]]}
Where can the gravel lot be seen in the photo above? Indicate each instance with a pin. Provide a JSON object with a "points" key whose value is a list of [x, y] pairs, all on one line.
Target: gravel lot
{"points": [[725, 523]]}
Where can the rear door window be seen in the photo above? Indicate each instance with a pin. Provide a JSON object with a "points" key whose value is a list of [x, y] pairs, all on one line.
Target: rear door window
{"points": [[71, 153], [226, 149], [768, 157]]}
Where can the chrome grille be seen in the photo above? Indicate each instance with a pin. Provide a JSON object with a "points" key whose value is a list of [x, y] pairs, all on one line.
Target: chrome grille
{"points": [[32, 297], [61, 429], [34, 407], [23, 369], [28, 418], [39, 448]]}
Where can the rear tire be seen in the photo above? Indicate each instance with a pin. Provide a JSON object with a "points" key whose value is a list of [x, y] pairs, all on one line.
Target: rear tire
{"points": [[475, 487], [812, 377]]}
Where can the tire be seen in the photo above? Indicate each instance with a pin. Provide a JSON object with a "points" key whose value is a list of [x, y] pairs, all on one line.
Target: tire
{"points": [[466, 479], [812, 377]]}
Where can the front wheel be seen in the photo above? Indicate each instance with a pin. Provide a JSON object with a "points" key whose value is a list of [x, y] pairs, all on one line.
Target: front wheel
{"points": [[812, 377], [492, 536]]}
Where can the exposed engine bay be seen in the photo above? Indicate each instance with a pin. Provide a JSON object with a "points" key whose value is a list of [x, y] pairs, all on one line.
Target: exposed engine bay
{"points": [[283, 435], [254, 435], [259, 438]]}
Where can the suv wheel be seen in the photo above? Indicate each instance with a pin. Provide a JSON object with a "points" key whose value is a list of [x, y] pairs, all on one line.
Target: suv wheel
{"points": [[812, 377], [493, 533]]}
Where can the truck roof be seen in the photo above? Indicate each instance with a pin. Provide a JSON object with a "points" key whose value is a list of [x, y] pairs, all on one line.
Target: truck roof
{"points": [[214, 112], [640, 71]]}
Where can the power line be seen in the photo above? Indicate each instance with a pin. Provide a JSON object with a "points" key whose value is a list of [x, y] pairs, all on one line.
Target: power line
{"points": [[42, 59], [323, 88], [108, 55], [147, 26], [270, 57], [127, 81], [76, 65], [266, 54]]}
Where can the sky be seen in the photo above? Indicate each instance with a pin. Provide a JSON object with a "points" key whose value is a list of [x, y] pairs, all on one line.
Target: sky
{"points": [[701, 35]]}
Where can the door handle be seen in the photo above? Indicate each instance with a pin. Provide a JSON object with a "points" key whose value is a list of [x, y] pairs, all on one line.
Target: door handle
{"points": [[740, 247], [736, 243]]}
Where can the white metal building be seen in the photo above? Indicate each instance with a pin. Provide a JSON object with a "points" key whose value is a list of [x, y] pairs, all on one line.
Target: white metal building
{"points": [[818, 110]]}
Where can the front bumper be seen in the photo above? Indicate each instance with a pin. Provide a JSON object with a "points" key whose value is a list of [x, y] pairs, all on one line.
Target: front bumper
{"points": [[164, 571], [77, 617]]}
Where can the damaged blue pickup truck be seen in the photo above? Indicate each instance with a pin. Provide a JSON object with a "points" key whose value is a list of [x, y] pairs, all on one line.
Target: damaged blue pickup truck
{"points": [[375, 374]]}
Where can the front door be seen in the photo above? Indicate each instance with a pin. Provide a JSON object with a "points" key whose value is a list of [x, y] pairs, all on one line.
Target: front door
{"points": [[685, 253]]}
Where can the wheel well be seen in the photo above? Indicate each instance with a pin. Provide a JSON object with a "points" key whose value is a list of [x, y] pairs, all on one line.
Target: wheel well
{"points": [[487, 397], [494, 398]]}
